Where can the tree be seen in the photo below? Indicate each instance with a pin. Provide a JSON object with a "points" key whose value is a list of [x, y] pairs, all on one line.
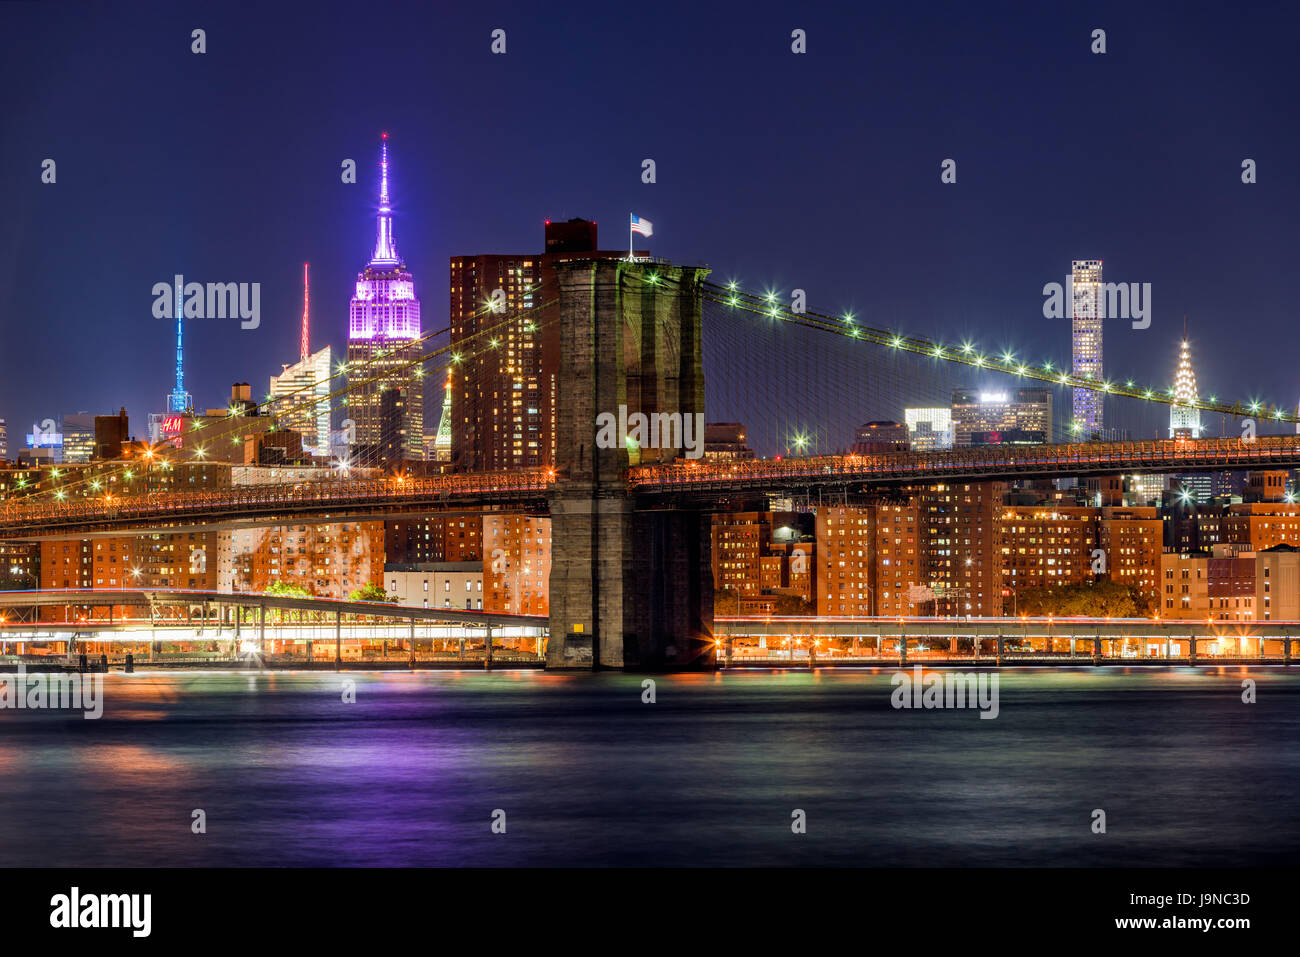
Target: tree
{"points": [[1101, 598], [373, 592], [789, 606], [726, 601], [287, 589]]}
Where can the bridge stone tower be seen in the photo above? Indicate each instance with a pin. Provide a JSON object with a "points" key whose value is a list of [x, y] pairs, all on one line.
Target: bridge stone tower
{"points": [[630, 587]]}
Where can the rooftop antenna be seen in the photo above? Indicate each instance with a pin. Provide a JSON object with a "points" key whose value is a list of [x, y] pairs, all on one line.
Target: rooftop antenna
{"points": [[306, 311]]}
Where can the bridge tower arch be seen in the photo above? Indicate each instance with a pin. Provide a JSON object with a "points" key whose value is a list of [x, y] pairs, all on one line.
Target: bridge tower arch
{"points": [[631, 586]]}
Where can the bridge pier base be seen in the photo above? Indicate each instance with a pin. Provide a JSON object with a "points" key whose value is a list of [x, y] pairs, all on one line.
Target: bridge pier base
{"points": [[630, 588]]}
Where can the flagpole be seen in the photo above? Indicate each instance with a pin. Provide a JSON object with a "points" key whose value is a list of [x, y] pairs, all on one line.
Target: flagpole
{"points": [[630, 244]]}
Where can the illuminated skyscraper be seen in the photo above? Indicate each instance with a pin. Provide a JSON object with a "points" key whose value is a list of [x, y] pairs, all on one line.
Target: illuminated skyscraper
{"points": [[383, 338], [300, 400], [1086, 306], [441, 451], [505, 315], [929, 429], [500, 408], [991, 418], [300, 395], [1184, 417]]}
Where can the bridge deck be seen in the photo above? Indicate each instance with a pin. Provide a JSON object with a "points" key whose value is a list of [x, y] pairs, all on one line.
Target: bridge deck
{"points": [[336, 501], [154, 598]]}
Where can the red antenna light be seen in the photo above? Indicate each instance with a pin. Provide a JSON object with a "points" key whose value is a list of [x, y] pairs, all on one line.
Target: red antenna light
{"points": [[306, 311]]}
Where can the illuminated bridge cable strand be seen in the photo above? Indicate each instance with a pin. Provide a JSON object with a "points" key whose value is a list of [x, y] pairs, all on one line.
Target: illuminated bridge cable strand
{"points": [[968, 355], [799, 391], [483, 339]]}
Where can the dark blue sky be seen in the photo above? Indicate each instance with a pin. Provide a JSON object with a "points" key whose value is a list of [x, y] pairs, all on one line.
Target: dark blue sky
{"points": [[818, 171]]}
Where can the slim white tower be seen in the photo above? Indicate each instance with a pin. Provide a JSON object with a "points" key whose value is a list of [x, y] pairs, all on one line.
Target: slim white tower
{"points": [[1086, 316]]}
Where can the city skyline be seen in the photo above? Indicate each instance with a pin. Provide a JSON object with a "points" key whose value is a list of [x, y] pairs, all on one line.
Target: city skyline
{"points": [[905, 479], [458, 203]]}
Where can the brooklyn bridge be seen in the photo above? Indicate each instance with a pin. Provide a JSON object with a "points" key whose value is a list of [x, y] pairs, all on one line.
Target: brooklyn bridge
{"points": [[630, 580]]}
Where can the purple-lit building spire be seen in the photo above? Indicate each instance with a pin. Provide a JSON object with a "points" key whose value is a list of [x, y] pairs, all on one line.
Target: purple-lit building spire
{"points": [[384, 305], [385, 248]]}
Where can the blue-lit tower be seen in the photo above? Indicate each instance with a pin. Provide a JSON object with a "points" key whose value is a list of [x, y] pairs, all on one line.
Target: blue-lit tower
{"points": [[179, 400]]}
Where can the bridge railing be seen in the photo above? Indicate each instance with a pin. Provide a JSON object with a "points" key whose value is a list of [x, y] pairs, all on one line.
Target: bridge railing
{"points": [[1153, 454], [240, 497]]}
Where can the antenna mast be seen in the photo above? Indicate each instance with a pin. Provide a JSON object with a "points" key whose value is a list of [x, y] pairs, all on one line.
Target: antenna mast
{"points": [[306, 311]]}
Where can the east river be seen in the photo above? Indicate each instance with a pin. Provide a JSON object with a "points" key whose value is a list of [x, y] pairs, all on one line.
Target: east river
{"points": [[581, 770]]}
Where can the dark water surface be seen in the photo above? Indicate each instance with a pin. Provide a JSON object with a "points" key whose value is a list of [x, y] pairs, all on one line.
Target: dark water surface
{"points": [[587, 774]]}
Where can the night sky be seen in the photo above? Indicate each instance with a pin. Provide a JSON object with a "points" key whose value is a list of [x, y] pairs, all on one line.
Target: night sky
{"points": [[819, 171]]}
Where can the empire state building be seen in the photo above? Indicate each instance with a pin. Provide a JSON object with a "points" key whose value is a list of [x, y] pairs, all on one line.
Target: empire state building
{"points": [[385, 401]]}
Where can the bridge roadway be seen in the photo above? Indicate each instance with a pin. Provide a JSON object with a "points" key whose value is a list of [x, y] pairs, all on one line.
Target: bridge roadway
{"points": [[155, 599], [1155, 629], [244, 506], [353, 500], [1100, 640]]}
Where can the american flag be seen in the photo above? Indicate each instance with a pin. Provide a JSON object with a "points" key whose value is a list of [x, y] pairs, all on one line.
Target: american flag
{"points": [[642, 226]]}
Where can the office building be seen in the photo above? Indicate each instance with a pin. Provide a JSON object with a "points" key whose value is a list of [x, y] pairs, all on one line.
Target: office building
{"points": [[111, 433], [726, 442], [992, 418], [300, 399], [506, 340], [880, 436], [1277, 583], [78, 438], [457, 585], [929, 429], [384, 339]]}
